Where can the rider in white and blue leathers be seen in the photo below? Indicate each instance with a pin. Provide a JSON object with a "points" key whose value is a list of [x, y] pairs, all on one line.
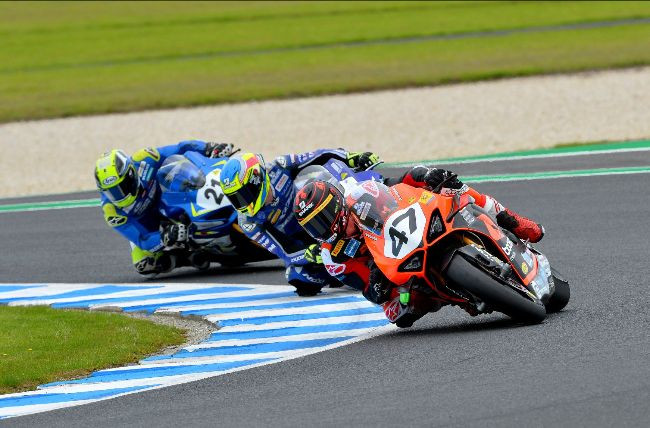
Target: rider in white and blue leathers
{"points": [[263, 195]]}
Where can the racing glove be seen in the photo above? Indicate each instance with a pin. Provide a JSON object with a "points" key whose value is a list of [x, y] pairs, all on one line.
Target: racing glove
{"points": [[219, 150], [312, 254], [435, 177], [362, 161], [175, 235]]}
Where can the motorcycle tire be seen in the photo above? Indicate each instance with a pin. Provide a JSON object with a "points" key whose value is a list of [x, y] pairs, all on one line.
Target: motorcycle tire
{"points": [[560, 296], [496, 295]]}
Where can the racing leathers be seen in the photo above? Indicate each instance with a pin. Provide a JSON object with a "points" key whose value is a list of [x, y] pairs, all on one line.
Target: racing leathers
{"points": [[275, 228], [140, 222], [349, 260]]}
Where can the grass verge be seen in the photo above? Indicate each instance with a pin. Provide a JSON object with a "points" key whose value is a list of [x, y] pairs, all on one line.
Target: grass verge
{"points": [[39, 344], [71, 58]]}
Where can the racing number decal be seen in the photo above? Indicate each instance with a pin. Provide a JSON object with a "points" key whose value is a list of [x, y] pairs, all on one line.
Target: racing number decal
{"points": [[403, 231], [210, 196]]}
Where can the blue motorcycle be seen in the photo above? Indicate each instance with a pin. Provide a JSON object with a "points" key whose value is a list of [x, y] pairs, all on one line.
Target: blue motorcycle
{"points": [[191, 195]]}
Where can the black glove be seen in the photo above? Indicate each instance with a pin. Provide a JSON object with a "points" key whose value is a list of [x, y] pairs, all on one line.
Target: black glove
{"points": [[437, 176], [174, 235], [312, 254], [362, 161], [378, 289], [219, 150]]}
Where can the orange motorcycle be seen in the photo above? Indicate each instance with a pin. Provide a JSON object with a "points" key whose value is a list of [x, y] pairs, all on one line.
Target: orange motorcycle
{"points": [[451, 251]]}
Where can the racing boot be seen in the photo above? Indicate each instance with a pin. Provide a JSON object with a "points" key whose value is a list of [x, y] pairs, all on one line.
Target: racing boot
{"points": [[522, 227]]}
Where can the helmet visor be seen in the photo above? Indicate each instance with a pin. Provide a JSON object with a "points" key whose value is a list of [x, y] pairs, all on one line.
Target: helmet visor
{"points": [[246, 195], [125, 190], [324, 221]]}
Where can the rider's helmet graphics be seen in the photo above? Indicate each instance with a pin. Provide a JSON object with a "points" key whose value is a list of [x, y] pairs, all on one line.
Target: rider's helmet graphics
{"points": [[320, 209], [245, 182], [117, 178]]}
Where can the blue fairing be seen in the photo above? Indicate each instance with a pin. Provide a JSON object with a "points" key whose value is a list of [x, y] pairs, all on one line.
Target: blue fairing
{"points": [[190, 190]]}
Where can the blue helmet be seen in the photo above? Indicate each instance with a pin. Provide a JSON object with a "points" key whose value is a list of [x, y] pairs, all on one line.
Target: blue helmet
{"points": [[245, 182]]}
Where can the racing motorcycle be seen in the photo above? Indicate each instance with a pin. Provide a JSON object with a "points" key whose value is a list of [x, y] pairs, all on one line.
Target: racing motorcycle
{"points": [[191, 195], [451, 251]]}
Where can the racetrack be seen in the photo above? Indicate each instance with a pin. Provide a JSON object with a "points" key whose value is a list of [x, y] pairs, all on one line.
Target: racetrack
{"points": [[587, 366]]}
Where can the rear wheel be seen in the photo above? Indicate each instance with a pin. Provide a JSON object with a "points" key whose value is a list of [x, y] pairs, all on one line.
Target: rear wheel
{"points": [[498, 296]]}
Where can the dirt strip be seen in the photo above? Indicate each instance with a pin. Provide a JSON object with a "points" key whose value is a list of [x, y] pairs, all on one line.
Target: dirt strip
{"points": [[54, 156]]}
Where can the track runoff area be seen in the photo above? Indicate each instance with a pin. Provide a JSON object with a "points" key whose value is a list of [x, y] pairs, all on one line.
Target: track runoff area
{"points": [[258, 324]]}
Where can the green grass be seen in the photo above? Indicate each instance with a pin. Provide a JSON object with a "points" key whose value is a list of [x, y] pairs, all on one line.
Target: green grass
{"points": [[62, 58], [39, 344]]}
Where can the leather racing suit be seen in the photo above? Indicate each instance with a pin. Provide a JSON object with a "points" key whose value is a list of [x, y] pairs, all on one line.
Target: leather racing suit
{"points": [[349, 260], [140, 222], [275, 228]]}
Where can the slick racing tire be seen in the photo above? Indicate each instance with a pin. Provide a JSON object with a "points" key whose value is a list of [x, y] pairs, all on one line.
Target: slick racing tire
{"points": [[498, 296], [560, 296]]}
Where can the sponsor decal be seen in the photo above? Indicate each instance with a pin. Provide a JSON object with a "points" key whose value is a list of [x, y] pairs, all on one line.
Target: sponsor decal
{"points": [[338, 247], [281, 182], [304, 207], [248, 227], [335, 269], [395, 194], [426, 197], [297, 258], [469, 218], [362, 209], [367, 235], [524, 268], [275, 216], [508, 250], [116, 221], [271, 247], [411, 199], [446, 191], [371, 188], [255, 179], [257, 235], [352, 247], [336, 167], [109, 180], [392, 310]]}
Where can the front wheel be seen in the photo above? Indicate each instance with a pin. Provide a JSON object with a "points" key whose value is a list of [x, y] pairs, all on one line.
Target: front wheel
{"points": [[498, 296], [560, 296]]}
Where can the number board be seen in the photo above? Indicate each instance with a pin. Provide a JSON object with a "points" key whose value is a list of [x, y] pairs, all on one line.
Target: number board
{"points": [[403, 231], [210, 196]]}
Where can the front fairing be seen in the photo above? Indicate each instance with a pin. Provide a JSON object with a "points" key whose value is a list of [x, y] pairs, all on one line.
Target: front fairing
{"points": [[207, 209]]}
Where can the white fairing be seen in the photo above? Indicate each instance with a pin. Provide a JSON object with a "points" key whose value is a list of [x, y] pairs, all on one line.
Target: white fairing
{"points": [[403, 231]]}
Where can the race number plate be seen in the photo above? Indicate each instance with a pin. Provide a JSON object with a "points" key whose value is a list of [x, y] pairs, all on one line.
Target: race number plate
{"points": [[210, 197], [403, 231]]}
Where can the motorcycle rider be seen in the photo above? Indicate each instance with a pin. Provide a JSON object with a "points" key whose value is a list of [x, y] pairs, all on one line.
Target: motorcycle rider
{"points": [[130, 195], [263, 194], [334, 220]]}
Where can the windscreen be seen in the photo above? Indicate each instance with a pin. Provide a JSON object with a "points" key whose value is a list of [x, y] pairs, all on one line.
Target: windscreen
{"points": [[178, 174]]}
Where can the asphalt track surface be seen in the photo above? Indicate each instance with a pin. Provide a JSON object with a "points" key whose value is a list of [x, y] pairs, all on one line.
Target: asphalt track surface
{"points": [[587, 366]]}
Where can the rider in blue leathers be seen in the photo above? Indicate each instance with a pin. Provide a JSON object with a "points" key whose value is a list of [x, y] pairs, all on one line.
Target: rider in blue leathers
{"points": [[263, 194], [130, 195]]}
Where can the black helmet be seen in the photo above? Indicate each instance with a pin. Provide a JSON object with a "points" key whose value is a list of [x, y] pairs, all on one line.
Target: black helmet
{"points": [[320, 209]]}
